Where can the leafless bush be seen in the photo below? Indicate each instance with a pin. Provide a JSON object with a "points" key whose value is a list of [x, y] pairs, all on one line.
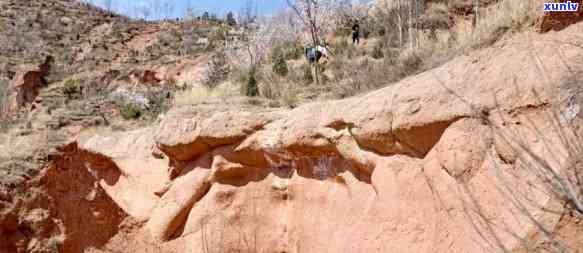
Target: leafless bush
{"points": [[536, 152], [436, 17], [218, 69], [556, 173], [397, 21], [258, 41], [283, 92]]}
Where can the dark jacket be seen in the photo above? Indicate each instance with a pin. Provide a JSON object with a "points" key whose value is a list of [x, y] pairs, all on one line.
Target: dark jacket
{"points": [[356, 28]]}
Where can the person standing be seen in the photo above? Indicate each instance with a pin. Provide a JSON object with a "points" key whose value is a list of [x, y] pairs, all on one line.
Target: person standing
{"points": [[356, 33]]}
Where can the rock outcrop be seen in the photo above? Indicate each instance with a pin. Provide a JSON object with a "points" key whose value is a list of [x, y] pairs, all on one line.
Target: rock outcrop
{"points": [[28, 82], [444, 161], [149, 77], [26, 87]]}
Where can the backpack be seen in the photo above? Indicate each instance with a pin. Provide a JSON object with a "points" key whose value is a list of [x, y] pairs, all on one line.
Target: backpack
{"points": [[312, 54]]}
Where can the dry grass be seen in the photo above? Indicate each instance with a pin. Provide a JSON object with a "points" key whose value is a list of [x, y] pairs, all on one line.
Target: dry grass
{"points": [[281, 90], [379, 61], [199, 93], [492, 24], [434, 46], [4, 93], [5, 120], [496, 20]]}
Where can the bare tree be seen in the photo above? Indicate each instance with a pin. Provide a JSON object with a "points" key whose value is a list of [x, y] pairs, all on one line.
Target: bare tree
{"points": [[475, 19], [316, 17], [190, 13], [248, 12], [230, 19], [400, 20], [307, 12], [411, 28], [168, 7], [145, 11], [107, 4]]}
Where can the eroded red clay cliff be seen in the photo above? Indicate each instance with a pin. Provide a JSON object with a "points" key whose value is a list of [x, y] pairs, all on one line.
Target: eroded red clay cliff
{"points": [[426, 165]]}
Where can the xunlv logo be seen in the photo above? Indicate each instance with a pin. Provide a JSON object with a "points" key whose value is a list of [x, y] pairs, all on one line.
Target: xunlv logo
{"points": [[568, 6]]}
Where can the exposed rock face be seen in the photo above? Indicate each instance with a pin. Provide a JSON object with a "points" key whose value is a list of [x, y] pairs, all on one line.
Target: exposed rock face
{"points": [[130, 174], [64, 211], [429, 164], [149, 77], [27, 83], [88, 215], [556, 21]]}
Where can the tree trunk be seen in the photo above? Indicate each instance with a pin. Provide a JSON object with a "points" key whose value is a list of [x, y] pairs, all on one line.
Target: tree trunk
{"points": [[476, 13], [475, 19], [400, 23], [410, 27], [311, 16], [418, 12]]}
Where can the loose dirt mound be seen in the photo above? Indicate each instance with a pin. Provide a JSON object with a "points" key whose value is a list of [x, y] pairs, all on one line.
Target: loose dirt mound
{"points": [[429, 164]]}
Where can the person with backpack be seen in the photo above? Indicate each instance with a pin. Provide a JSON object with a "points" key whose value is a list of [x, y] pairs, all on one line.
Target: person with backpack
{"points": [[356, 33], [314, 54]]}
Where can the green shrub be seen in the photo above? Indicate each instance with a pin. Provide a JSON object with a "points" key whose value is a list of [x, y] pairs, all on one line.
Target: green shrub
{"points": [[217, 37], [291, 50], [159, 104], [71, 89], [343, 31], [294, 51], [280, 66], [131, 111], [251, 87], [276, 52]]}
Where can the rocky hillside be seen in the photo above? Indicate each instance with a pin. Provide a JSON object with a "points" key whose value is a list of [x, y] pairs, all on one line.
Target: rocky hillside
{"points": [[480, 154], [79, 36], [86, 50], [66, 67]]}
